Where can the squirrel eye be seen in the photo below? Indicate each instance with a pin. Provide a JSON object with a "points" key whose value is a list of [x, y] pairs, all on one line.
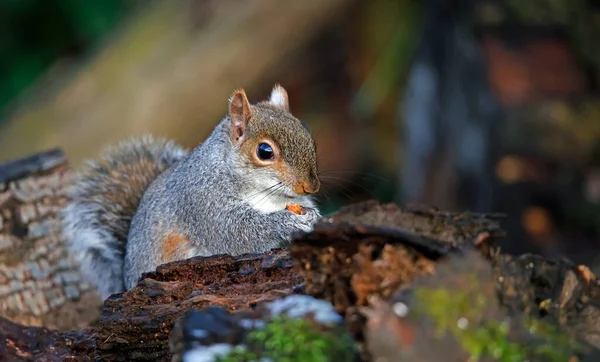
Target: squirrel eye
{"points": [[264, 151]]}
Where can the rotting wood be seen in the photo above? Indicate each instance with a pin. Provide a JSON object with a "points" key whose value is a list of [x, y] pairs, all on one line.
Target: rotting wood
{"points": [[39, 284], [377, 249], [377, 264], [137, 323], [21, 343]]}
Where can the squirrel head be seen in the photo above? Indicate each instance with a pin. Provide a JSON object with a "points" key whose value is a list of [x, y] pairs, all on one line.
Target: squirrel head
{"points": [[277, 147]]}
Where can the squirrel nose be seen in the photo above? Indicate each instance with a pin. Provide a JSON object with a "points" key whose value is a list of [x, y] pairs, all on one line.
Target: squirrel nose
{"points": [[309, 187]]}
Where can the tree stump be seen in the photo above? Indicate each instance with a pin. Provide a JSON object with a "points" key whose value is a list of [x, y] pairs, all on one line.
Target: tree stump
{"points": [[39, 284]]}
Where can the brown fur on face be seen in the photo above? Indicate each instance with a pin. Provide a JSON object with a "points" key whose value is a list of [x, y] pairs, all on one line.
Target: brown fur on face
{"points": [[295, 160]]}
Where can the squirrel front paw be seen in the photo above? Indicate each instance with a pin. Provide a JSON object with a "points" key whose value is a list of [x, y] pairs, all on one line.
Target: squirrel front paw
{"points": [[307, 218]]}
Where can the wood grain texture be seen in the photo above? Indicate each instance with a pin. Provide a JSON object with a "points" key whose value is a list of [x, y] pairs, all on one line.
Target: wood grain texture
{"points": [[39, 283]]}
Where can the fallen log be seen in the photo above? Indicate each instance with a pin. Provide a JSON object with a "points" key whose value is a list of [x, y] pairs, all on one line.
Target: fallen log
{"points": [[22, 343], [39, 284], [397, 276], [136, 325]]}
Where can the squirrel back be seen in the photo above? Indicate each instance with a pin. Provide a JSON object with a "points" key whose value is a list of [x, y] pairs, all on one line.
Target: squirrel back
{"points": [[103, 200]]}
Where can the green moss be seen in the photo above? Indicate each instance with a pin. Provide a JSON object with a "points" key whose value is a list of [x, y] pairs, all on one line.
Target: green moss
{"points": [[288, 340], [482, 330], [239, 354]]}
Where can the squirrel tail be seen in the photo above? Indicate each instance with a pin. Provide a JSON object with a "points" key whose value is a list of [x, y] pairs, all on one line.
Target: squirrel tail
{"points": [[103, 199]]}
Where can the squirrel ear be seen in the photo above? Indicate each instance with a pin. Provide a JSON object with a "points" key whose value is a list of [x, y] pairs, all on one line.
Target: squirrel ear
{"points": [[279, 98], [239, 113]]}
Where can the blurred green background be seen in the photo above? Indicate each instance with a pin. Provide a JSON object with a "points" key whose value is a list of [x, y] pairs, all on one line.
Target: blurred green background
{"points": [[36, 34], [483, 105]]}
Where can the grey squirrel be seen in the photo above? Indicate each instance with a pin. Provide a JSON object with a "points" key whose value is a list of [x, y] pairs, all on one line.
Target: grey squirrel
{"points": [[149, 201]]}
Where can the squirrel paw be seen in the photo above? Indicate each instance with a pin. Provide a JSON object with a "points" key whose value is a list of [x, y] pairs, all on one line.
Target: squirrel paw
{"points": [[308, 217]]}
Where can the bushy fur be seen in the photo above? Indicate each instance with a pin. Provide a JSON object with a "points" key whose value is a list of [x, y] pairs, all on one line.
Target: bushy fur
{"points": [[104, 198]]}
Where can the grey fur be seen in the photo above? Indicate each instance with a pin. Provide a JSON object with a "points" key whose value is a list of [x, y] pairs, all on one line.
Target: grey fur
{"points": [[104, 197]]}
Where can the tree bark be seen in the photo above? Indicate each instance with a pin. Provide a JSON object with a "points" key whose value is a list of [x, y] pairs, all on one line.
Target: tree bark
{"points": [[39, 283]]}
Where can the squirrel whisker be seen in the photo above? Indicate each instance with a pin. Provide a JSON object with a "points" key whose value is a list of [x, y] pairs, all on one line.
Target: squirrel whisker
{"points": [[261, 191], [266, 197]]}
